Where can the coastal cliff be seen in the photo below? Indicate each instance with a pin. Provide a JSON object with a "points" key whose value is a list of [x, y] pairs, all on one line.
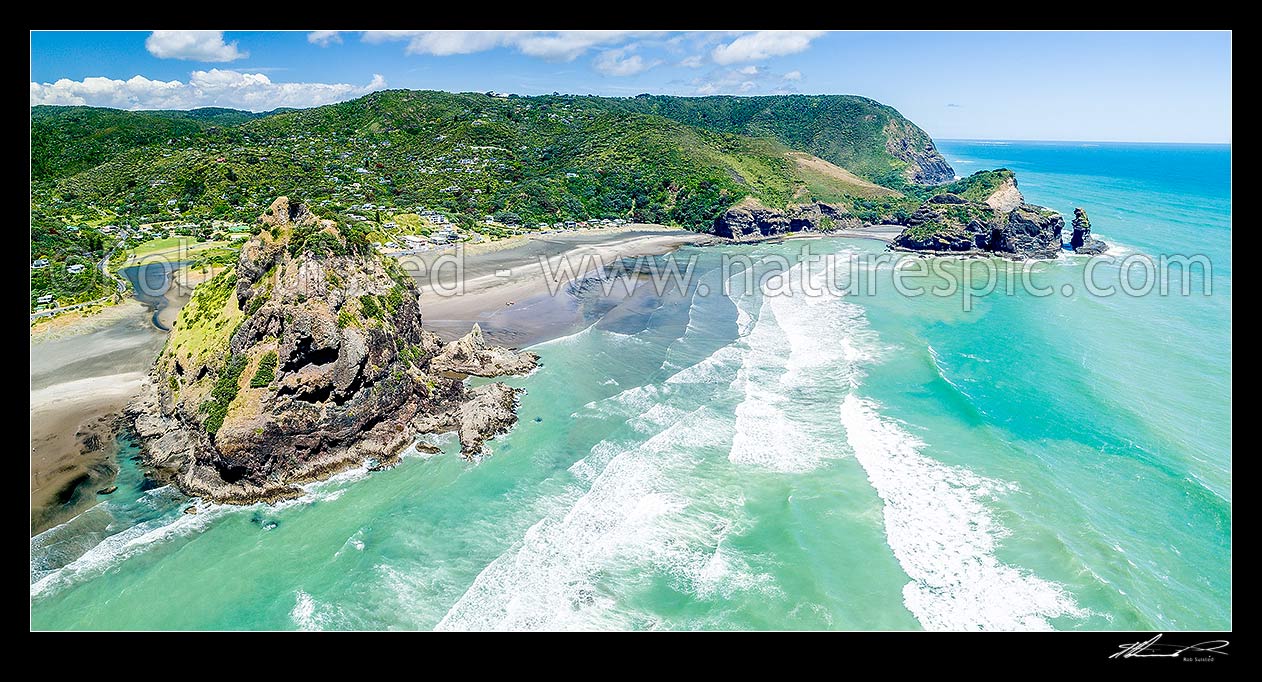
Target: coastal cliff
{"points": [[306, 358], [925, 164]]}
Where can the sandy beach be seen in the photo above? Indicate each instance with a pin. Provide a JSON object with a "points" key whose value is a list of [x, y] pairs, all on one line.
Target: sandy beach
{"points": [[506, 286], [83, 371], [881, 233], [81, 375]]}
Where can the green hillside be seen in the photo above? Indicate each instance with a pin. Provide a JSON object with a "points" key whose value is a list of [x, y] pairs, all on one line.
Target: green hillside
{"points": [[67, 140], [523, 159], [852, 132]]}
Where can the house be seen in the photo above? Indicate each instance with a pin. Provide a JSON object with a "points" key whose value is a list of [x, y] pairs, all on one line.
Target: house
{"points": [[389, 225], [39, 263], [45, 299], [75, 269], [413, 240], [542, 226], [571, 175], [569, 224], [489, 220], [72, 228]]}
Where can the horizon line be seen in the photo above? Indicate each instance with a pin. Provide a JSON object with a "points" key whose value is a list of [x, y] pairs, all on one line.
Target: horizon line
{"points": [[1031, 139]]}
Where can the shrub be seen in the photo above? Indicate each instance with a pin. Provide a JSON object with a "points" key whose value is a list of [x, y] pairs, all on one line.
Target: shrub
{"points": [[345, 319], [222, 395], [266, 371], [368, 304]]}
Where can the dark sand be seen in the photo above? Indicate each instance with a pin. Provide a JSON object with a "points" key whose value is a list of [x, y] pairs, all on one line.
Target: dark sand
{"points": [[79, 379], [495, 277], [83, 372]]}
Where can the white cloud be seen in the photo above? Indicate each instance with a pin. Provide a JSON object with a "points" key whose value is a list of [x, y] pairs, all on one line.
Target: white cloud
{"points": [[202, 46], [551, 45], [692, 62], [617, 62], [762, 45], [324, 38], [216, 87], [743, 81]]}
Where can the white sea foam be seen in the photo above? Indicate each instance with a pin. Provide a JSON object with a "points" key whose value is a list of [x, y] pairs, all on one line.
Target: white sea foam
{"points": [[634, 521], [945, 537], [119, 547], [825, 337], [310, 615]]}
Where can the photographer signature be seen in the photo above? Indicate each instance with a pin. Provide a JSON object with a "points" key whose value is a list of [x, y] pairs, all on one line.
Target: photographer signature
{"points": [[1154, 649]]}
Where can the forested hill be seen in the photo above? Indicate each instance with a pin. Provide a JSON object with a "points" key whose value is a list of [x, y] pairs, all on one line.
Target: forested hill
{"points": [[66, 140], [660, 159]]}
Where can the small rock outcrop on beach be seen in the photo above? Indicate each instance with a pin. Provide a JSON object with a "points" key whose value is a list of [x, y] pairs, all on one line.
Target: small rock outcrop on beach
{"points": [[1082, 241], [983, 214], [750, 220], [471, 355], [306, 358]]}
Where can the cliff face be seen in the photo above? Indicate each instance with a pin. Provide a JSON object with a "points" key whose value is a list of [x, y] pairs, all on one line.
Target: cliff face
{"points": [[751, 221], [908, 143], [306, 358]]}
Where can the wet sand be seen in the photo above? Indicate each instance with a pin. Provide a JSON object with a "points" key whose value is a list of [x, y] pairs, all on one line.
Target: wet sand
{"points": [[82, 375], [881, 233], [513, 274], [83, 371]]}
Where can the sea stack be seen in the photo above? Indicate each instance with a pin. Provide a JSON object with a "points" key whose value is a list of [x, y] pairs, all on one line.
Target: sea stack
{"points": [[1082, 241], [305, 358]]}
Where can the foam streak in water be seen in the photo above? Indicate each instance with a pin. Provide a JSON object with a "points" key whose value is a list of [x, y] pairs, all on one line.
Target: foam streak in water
{"points": [[945, 536]]}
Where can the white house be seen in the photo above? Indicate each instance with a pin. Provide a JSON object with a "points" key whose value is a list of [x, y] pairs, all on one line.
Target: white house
{"points": [[74, 269], [39, 263], [45, 299]]}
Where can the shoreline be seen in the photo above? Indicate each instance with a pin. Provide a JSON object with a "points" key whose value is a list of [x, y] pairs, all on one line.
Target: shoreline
{"points": [[506, 290], [83, 372]]}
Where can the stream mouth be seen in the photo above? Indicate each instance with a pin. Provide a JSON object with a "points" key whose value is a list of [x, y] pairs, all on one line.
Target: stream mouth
{"points": [[150, 283]]}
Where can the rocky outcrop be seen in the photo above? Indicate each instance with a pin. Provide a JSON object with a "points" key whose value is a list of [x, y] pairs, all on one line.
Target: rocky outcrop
{"points": [[1030, 232], [750, 220], [306, 358], [908, 143], [472, 355], [949, 223], [1082, 241]]}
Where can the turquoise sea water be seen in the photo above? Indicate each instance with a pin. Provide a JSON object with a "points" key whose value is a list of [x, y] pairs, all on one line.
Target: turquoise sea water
{"points": [[863, 460]]}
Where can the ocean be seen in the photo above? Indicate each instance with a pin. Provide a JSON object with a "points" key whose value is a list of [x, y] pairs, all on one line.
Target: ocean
{"points": [[793, 455]]}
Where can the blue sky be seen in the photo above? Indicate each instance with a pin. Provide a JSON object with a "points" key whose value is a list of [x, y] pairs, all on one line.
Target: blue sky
{"points": [[1125, 86]]}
